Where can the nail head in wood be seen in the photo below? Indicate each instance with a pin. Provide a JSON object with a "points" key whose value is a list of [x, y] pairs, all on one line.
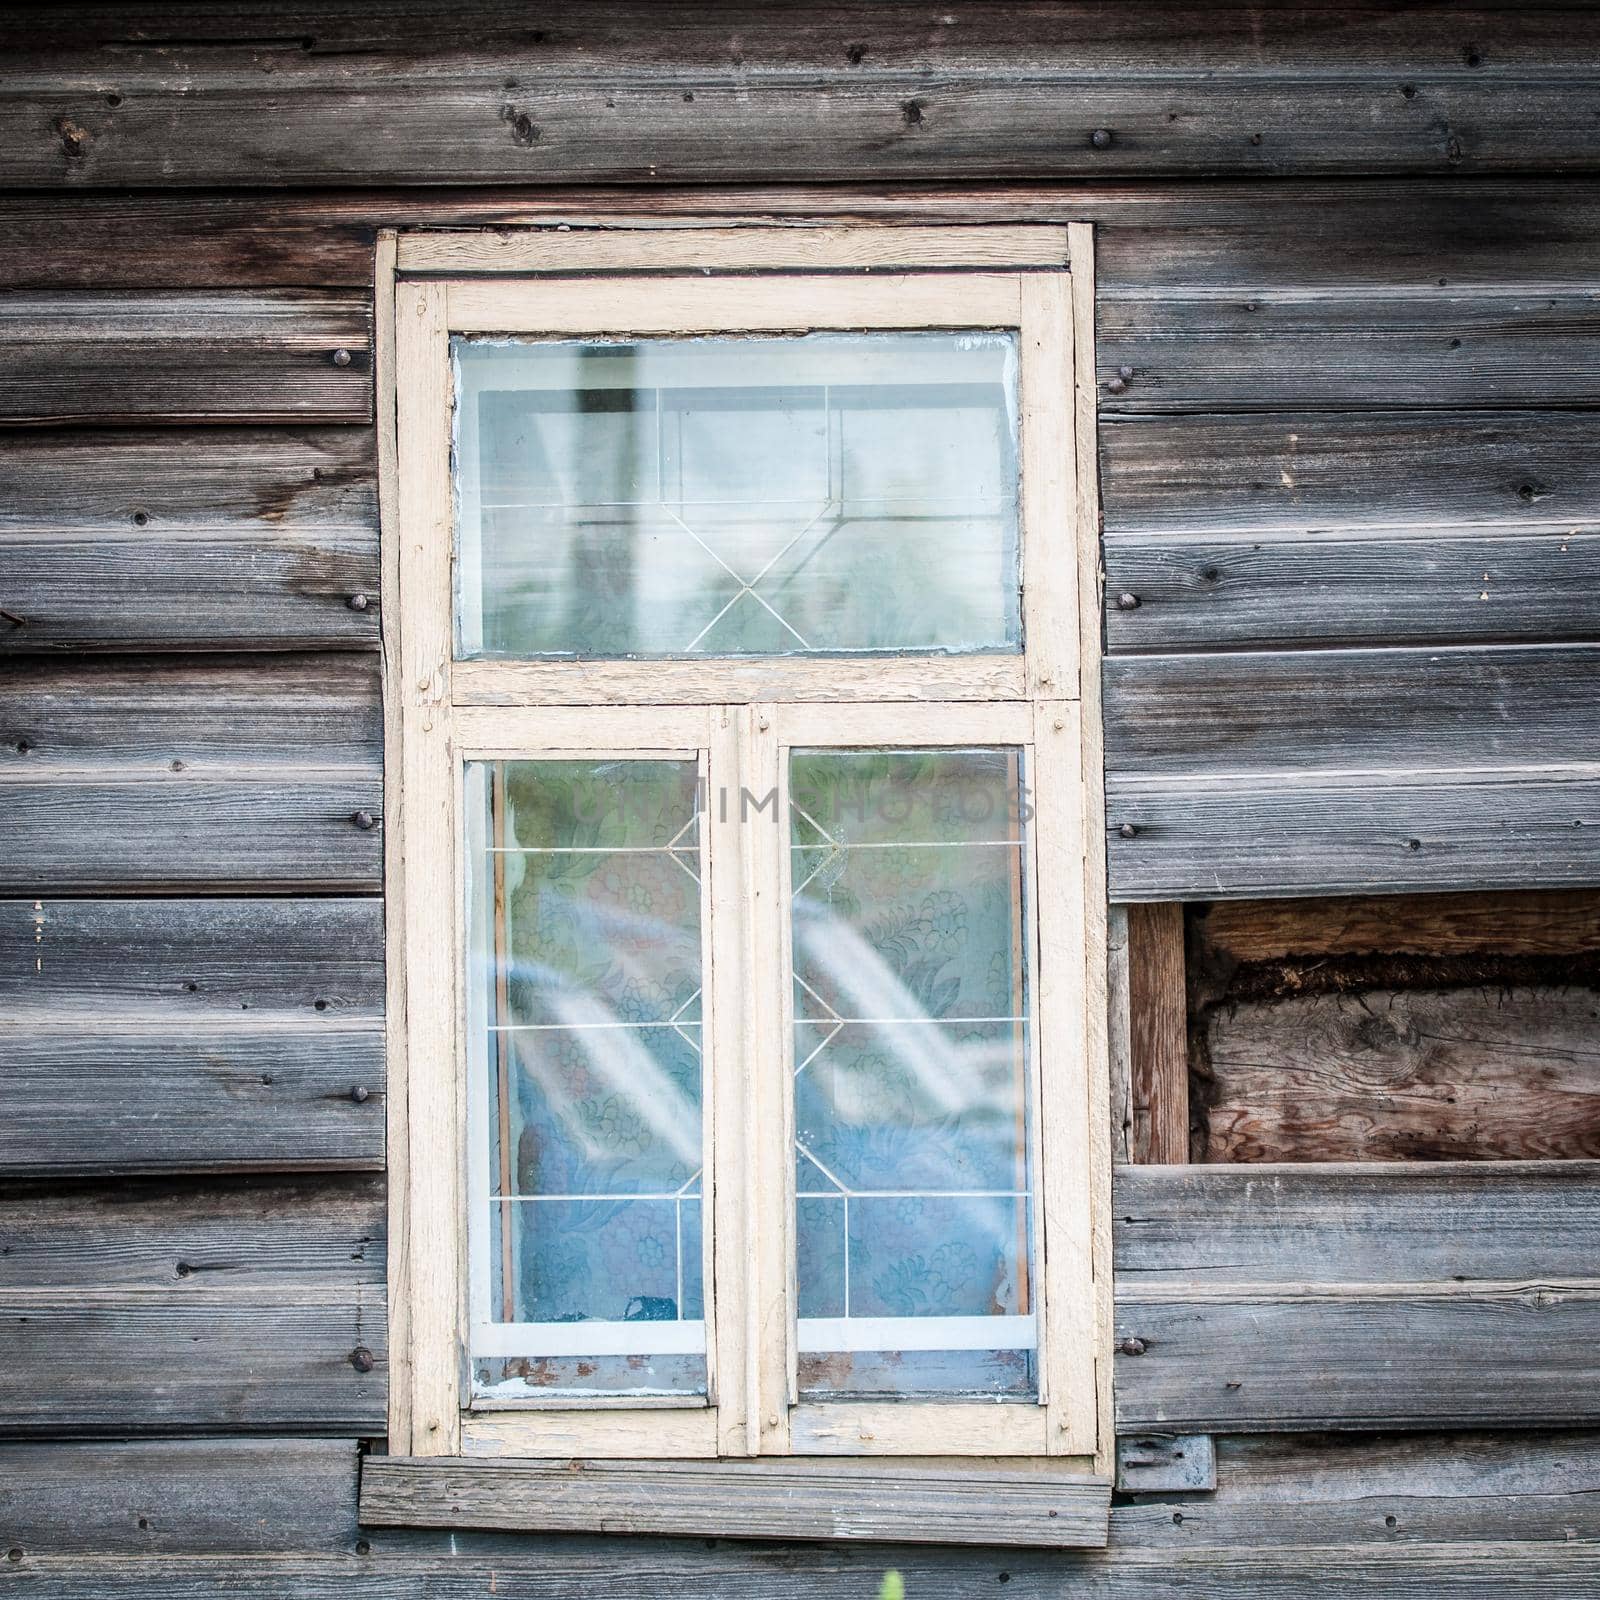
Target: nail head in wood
{"points": [[361, 1359], [1117, 385], [363, 820], [1128, 601], [357, 602], [1133, 1347], [1128, 831], [361, 1094], [1101, 138], [341, 357]]}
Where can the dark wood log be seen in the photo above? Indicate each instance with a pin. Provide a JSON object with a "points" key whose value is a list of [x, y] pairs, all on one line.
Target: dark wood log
{"points": [[1554, 923], [1357, 1223], [1283, 349], [1472, 1074], [228, 539], [218, 1034], [233, 1307], [1290, 833], [1286, 712], [174, 774], [267, 356], [179, 1497], [1393, 1491], [1237, 236], [1158, 1034], [737, 1500], [1278, 1299], [260, 96]]}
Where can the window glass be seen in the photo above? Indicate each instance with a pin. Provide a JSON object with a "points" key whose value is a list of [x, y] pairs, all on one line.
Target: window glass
{"points": [[912, 1099], [821, 493], [585, 1019]]}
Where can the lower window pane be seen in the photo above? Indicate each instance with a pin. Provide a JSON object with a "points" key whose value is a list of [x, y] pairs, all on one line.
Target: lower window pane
{"points": [[912, 1086], [585, 1021]]}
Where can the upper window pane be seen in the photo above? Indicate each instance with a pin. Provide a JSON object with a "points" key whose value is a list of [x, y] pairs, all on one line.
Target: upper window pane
{"points": [[824, 493]]}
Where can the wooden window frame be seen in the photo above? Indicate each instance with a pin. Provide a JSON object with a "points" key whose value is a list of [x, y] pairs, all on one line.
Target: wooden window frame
{"points": [[741, 716]]}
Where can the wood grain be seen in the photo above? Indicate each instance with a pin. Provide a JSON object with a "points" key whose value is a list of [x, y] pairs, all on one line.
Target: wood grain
{"points": [[172, 773], [1158, 1022], [264, 356], [225, 539], [220, 1308], [752, 1500], [1474, 1074], [219, 1035]]}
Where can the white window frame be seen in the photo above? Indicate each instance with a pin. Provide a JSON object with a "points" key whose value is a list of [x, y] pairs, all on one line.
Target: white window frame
{"points": [[740, 718]]}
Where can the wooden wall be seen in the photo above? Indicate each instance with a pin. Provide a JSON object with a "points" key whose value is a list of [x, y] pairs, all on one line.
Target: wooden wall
{"points": [[1347, 255]]}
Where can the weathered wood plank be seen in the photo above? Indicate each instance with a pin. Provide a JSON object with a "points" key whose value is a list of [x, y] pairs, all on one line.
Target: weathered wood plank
{"points": [[191, 774], [1424, 474], [234, 1307], [1339, 711], [234, 96], [1158, 1034], [226, 539], [1277, 1299], [1245, 236], [1472, 1074], [737, 1500], [1393, 1491], [1286, 349], [1311, 834], [555, 1569], [1364, 1223], [1242, 1360], [265, 356], [1380, 589], [178, 1497], [1553, 923], [218, 1034]]}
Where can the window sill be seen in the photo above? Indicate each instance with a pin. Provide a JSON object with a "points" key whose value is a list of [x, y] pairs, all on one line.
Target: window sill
{"points": [[739, 1500]]}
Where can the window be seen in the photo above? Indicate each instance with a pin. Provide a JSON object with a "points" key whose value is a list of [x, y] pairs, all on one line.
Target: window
{"points": [[749, 907]]}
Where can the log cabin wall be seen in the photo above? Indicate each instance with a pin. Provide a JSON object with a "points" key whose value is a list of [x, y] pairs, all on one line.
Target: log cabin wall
{"points": [[1347, 307]]}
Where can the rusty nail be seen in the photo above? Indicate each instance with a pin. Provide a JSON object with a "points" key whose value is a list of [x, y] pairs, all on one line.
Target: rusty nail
{"points": [[1117, 385], [1127, 601], [361, 1094], [1101, 138], [1125, 373], [361, 1359], [363, 820], [357, 602], [341, 357], [1132, 1347], [1128, 831]]}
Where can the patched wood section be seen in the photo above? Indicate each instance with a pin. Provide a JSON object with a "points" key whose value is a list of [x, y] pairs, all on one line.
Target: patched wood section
{"points": [[178, 1497], [265, 95], [738, 1500], [228, 1307], [198, 540], [1255, 1299], [1399, 1028], [270, 356], [217, 1035], [199, 774]]}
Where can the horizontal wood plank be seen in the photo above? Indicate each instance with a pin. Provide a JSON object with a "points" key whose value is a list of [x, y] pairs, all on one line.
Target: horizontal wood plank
{"points": [[1367, 1223], [1284, 349], [239, 1307], [261, 95], [1385, 833], [1391, 1491], [265, 356], [223, 539], [178, 1497], [1352, 711], [1475, 1073], [219, 1035], [751, 1500], [1240, 235], [175, 774], [1278, 1299]]}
